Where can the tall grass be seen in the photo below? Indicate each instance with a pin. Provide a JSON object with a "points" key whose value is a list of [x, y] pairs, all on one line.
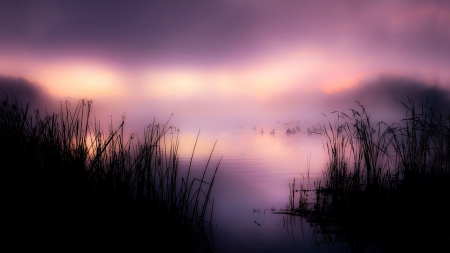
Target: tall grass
{"points": [[385, 187], [67, 180]]}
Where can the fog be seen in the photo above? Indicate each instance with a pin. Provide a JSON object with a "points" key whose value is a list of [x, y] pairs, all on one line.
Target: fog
{"points": [[381, 98], [228, 65]]}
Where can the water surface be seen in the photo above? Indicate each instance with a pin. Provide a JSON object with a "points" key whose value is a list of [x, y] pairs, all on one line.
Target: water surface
{"points": [[253, 178]]}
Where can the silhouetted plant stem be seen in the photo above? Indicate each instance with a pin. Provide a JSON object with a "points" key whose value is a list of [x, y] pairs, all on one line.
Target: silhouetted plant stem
{"points": [[375, 179], [62, 172]]}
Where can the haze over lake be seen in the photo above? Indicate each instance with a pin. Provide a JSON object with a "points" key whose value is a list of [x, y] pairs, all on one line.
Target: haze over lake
{"points": [[230, 70]]}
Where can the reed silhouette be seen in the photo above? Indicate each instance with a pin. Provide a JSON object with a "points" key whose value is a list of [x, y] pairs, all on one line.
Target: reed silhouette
{"points": [[69, 183], [384, 190]]}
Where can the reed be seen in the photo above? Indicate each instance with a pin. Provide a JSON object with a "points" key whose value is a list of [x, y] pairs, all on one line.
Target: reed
{"points": [[384, 186], [67, 180]]}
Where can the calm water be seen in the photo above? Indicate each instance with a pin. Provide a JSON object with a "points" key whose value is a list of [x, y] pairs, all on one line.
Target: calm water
{"points": [[254, 174]]}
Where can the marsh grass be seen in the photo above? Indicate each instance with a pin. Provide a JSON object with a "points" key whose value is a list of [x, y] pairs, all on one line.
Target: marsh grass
{"points": [[66, 182], [385, 187]]}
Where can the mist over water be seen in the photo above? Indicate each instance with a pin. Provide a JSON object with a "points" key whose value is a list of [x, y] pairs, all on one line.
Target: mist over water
{"points": [[255, 168], [226, 72], [382, 98]]}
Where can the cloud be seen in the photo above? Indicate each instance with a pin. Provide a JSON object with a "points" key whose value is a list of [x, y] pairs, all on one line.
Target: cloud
{"points": [[199, 32]]}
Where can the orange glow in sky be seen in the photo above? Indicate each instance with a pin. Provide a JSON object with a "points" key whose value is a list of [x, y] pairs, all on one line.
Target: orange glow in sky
{"points": [[249, 59]]}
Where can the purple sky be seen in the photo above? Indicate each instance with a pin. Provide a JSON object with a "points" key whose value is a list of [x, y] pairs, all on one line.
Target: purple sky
{"points": [[230, 61]]}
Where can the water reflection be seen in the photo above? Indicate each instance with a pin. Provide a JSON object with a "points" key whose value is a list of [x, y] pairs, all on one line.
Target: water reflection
{"points": [[254, 174]]}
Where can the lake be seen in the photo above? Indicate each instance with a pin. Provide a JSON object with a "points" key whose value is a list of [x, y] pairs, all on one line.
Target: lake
{"points": [[253, 178]]}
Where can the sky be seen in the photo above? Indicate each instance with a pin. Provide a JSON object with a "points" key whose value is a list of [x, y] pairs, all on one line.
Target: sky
{"points": [[225, 63]]}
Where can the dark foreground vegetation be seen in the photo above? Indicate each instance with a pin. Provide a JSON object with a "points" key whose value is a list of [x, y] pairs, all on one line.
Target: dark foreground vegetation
{"points": [[386, 188], [67, 184]]}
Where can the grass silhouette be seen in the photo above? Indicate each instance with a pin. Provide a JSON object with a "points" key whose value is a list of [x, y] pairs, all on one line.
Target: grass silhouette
{"points": [[385, 187], [69, 183]]}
